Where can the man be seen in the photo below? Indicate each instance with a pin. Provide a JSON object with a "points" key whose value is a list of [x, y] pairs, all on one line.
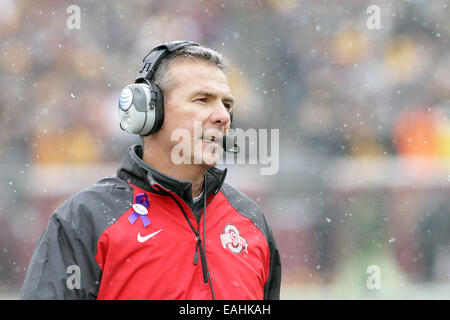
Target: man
{"points": [[162, 228]]}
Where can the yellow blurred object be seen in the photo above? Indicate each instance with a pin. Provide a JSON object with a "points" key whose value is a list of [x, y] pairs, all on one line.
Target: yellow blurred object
{"points": [[50, 88], [283, 5], [89, 64], [349, 46], [68, 147], [401, 58], [442, 138], [364, 145]]}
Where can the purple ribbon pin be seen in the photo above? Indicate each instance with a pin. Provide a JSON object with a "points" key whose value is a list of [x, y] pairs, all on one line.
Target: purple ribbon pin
{"points": [[140, 208]]}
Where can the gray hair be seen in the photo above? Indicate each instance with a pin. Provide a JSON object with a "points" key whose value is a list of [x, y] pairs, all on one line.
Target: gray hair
{"points": [[162, 75]]}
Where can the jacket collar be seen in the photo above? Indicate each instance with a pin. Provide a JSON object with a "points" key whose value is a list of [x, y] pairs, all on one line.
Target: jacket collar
{"points": [[137, 172]]}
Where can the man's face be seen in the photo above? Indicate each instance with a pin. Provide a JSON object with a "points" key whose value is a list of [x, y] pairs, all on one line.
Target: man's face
{"points": [[196, 112]]}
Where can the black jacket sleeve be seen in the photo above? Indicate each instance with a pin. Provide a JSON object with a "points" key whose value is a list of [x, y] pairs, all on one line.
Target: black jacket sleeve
{"points": [[63, 265], [273, 284]]}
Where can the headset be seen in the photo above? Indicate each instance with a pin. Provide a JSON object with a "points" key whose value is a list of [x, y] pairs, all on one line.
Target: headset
{"points": [[141, 104]]}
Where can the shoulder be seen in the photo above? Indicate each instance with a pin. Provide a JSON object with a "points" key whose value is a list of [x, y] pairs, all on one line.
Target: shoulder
{"points": [[96, 206], [239, 199], [246, 207]]}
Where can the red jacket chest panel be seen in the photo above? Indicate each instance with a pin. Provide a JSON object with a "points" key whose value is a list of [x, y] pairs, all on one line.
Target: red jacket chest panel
{"points": [[156, 261]]}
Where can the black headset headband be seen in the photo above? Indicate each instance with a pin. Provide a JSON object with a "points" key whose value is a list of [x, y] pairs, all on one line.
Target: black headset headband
{"points": [[152, 60]]}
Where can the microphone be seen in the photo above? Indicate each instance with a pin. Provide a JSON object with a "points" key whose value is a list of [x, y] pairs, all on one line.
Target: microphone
{"points": [[229, 144]]}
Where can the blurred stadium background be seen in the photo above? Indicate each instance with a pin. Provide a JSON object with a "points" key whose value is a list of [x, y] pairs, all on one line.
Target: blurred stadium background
{"points": [[363, 115]]}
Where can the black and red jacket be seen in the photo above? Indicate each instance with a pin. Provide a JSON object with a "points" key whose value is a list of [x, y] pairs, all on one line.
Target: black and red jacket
{"points": [[229, 254]]}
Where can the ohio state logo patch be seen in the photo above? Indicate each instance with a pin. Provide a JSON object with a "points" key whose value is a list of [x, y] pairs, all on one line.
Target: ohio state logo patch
{"points": [[233, 240]]}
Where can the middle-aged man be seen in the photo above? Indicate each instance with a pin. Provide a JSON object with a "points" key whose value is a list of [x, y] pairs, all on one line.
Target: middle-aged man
{"points": [[166, 226]]}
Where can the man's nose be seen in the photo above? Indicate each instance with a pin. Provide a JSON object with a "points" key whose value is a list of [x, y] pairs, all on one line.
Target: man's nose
{"points": [[220, 114]]}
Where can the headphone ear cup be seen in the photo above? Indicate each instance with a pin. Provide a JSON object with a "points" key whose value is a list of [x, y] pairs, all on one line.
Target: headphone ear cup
{"points": [[132, 108], [137, 109]]}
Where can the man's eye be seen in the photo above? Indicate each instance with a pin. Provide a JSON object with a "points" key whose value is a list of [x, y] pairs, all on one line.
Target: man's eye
{"points": [[202, 100]]}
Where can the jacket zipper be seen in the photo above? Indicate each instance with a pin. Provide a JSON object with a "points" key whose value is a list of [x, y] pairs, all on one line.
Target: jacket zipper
{"points": [[199, 246]]}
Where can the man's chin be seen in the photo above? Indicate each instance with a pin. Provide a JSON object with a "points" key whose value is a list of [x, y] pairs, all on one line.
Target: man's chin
{"points": [[209, 155], [208, 160]]}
